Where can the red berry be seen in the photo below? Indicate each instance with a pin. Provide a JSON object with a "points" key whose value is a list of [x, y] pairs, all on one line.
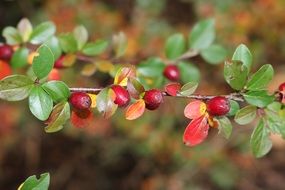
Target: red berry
{"points": [[282, 87], [218, 106], [122, 95], [152, 99], [59, 62], [80, 100], [171, 72], [6, 52]]}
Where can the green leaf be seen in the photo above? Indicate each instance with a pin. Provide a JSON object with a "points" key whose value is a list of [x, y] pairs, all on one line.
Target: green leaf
{"points": [[261, 78], [68, 43], [12, 35], [105, 102], [188, 88], [246, 115], [235, 73], [175, 46], [53, 44], [25, 29], [135, 88], [202, 34], [152, 67], [258, 98], [243, 54], [42, 32], [260, 142], [32, 183], [19, 58], [81, 36], [40, 103], [274, 122], [234, 107], [15, 87], [274, 106], [57, 90], [225, 126], [58, 117], [43, 63], [214, 54], [96, 48], [188, 72]]}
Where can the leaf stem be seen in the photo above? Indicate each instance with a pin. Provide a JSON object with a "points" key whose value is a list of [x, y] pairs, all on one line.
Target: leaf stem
{"points": [[189, 54]]}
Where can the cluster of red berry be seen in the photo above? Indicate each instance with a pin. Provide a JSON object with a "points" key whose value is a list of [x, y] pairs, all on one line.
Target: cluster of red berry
{"points": [[152, 98]]}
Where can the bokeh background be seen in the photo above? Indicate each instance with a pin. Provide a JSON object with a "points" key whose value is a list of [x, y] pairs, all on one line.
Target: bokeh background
{"points": [[148, 153]]}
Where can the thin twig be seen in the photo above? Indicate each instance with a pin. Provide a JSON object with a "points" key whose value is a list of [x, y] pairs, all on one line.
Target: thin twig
{"points": [[86, 90], [232, 96]]}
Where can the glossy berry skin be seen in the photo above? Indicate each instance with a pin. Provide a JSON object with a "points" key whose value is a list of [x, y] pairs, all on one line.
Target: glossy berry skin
{"points": [[282, 93], [152, 99], [80, 100], [171, 72], [282, 87], [6, 52], [218, 106], [122, 95], [59, 62]]}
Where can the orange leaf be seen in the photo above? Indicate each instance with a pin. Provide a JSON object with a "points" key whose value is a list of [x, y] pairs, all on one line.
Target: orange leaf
{"points": [[81, 118], [195, 109], [123, 74], [172, 88], [104, 66], [93, 100], [88, 69], [69, 60], [135, 110], [31, 57], [196, 132], [54, 75], [5, 69]]}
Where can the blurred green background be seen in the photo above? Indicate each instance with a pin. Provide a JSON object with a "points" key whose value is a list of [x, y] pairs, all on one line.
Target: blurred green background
{"points": [[148, 153]]}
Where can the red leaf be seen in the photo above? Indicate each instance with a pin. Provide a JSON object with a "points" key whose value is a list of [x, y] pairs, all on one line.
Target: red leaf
{"points": [[196, 132], [172, 88], [135, 110], [5, 69], [195, 109], [81, 118]]}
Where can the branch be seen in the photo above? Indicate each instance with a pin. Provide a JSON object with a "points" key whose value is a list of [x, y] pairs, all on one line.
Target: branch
{"points": [[86, 90], [233, 96]]}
